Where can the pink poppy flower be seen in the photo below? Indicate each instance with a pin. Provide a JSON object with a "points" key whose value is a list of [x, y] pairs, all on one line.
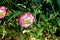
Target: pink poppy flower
{"points": [[25, 20], [2, 11]]}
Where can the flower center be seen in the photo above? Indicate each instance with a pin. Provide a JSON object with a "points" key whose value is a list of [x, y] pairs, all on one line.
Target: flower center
{"points": [[26, 21], [1, 13]]}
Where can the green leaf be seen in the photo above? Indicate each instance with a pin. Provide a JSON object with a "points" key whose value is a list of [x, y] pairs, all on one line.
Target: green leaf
{"points": [[15, 14], [58, 1]]}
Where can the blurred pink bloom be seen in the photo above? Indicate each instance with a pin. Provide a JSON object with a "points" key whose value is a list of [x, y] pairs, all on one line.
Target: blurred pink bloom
{"points": [[2, 11], [25, 20]]}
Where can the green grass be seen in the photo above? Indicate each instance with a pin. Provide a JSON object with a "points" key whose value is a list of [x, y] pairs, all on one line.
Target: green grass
{"points": [[46, 21]]}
